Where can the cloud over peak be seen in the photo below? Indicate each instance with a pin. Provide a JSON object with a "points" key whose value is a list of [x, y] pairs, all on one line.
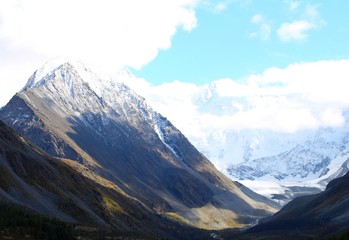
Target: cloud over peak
{"points": [[107, 32], [299, 97], [123, 32]]}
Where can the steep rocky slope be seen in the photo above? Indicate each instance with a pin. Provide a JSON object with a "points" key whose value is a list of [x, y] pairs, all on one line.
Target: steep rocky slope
{"points": [[66, 190], [71, 112]]}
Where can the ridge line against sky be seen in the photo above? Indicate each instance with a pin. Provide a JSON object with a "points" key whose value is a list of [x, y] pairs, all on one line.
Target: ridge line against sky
{"points": [[249, 45]]}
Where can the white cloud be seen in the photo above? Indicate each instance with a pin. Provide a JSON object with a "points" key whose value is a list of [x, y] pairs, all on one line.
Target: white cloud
{"points": [[264, 30], [292, 5], [10, 85], [296, 30], [300, 96], [221, 6], [321, 82], [177, 101], [125, 32], [312, 13], [332, 117], [215, 6], [272, 118], [256, 19]]}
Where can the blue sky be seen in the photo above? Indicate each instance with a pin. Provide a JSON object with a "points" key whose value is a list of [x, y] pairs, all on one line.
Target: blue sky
{"points": [[228, 43]]}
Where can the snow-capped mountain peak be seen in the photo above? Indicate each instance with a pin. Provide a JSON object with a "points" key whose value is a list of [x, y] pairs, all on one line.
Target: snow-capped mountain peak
{"points": [[38, 76], [73, 81], [98, 79]]}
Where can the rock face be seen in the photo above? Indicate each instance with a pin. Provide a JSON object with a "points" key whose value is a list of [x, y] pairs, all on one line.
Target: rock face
{"points": [[70, 112]]}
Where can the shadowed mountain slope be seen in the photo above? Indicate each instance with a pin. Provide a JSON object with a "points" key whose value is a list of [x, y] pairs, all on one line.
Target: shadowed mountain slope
{"points": [[66, 190], [316, 216], [70, 112]]}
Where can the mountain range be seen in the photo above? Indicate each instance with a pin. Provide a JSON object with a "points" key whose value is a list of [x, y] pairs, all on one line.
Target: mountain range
{"points": [[85, 149], [269, 161], [296, 156], [100, 155]]}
